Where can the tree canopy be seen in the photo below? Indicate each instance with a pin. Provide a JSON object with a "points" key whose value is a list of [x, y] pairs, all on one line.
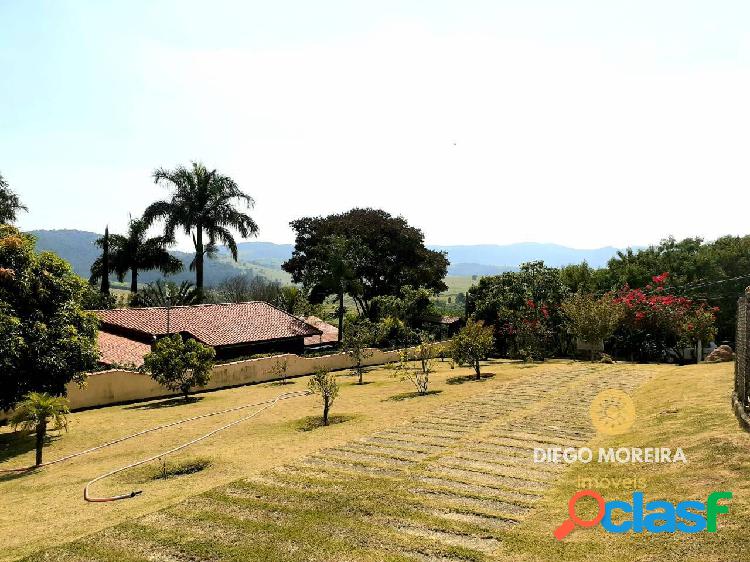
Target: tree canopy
{"points": [[133, 252], [46, 338], [203, 203], [10, 203], [384, 255]]}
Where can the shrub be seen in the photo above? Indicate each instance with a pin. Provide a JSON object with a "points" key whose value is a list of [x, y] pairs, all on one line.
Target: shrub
{"points": [[323, 383], [179, 364], [472, 344]]}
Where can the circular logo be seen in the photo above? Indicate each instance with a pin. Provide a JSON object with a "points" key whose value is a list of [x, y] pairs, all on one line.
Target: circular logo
{"points": [[612, 412]]}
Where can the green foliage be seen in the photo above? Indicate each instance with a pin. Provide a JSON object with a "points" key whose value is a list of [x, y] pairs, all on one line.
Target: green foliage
{"points": [[10, 203], [46, 338], [245, 288], [292, 299], [166, 293], [524, 308], [716, 272], [425, 354], [592, 319], [202, 204], [34, 414], [94, 299], [412, 306], [133, 252], [359, 335], [370, 252], [472, 344], [179, 364], [323, 383]]}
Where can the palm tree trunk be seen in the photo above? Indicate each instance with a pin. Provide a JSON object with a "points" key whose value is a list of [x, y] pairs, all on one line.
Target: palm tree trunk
{"points": [[341, 314], [41, 431], [199, 261], [134, 280]]}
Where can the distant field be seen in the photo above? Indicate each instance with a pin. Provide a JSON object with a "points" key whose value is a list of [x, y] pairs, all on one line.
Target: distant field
{"points": [[458, 284]]}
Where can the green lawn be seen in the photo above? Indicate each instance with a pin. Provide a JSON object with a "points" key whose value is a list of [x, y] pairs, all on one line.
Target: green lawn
{"points": [[446, 477]]}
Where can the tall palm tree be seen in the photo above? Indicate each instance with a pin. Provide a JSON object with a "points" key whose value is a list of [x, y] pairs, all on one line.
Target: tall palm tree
{"points": [[10, 204], [202, 205], [134, 252], [36, 412]]}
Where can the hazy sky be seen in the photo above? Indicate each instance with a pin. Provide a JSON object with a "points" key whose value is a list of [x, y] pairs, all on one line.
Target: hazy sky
{"points": [[582, 123]]}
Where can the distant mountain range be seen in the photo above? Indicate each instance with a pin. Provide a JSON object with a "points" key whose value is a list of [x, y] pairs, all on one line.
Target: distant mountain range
{"points": [[79, 248], [265, 258]]}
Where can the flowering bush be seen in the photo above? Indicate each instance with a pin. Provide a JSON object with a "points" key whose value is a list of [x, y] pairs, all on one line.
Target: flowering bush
{"points": [[656, 323]]}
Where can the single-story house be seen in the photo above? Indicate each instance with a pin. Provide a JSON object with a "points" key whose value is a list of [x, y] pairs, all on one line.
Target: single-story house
{"points": [[234, 330], [328, 337], [445, 325]]}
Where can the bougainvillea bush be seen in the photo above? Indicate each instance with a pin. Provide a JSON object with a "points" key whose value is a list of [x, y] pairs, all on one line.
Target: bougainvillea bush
{"points": [[657, 324], [523, 307]]}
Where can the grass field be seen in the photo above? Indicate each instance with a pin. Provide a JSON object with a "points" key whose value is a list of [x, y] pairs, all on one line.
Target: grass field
{"points": [[445, 477]]}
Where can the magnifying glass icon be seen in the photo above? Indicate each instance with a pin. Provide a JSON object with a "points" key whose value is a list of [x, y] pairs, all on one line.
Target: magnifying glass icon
{"points": [[569, 524]]}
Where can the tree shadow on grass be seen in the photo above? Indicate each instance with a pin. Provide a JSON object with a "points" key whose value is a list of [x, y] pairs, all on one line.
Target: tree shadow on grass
{"points": [[409, 395], [469, 378], [18, 443], [282, 383], [315, 422], [168, 403]]}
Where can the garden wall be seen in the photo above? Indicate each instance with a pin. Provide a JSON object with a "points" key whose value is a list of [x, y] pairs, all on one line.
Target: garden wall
{"points": [[117, 386]]}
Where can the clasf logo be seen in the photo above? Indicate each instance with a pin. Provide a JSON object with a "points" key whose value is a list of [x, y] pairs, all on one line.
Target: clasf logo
{"points": [[653, 517]]}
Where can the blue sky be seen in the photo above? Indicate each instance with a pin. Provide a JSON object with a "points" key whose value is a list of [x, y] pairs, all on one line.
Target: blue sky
{"points": [[582, 123]]}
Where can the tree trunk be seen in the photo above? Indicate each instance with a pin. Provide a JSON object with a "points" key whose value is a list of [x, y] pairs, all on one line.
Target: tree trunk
{"points": [[325, 412], [592, 352], [199, 261], [476, 369], [134, 280], [699, 356], [105, 263], [359, 372], [41, 431], [341, 314]]}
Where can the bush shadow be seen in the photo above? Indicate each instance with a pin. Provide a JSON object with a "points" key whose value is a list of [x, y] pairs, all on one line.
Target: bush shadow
{"points": [[469, 378], [409, 395], [168, 403], [311, 423]]}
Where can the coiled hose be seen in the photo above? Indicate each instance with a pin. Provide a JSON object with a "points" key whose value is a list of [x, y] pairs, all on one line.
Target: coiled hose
{"points": [[265, 405]]}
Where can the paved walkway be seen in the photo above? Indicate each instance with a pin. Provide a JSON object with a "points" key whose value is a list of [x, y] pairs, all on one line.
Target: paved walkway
{"points": [[438, 488]]}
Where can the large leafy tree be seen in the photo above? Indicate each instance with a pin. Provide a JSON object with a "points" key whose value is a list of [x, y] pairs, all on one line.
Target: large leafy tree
{"points": [[592, 319], [46, 338], [523, 306], [133, 252], [384, 254], [10, 203], [203, 205]]}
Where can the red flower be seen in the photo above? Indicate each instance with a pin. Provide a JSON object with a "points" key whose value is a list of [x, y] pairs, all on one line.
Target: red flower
{"points": [[530, 303], [659, 279]]}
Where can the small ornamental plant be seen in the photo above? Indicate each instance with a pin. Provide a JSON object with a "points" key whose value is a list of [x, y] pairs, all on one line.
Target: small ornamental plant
{"points": [[36, 412], [472, 345], [323, 383]]}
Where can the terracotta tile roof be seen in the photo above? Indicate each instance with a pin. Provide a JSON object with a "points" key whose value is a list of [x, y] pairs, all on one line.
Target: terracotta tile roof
{"points": [[330, 333], [212, 324], [119, 350]]}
